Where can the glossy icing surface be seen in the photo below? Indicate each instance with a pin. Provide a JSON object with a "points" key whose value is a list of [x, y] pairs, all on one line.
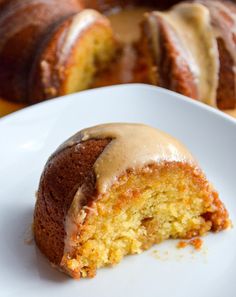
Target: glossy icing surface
{"points": [[221, 29], [132, 146], [224, 29], [192, 23]]}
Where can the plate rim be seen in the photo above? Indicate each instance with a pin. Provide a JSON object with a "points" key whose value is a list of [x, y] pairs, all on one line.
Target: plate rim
{"points": [[173, 95]]}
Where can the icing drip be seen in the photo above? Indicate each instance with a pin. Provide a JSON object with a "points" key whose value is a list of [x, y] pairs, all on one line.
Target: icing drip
{"points": [[192, 23], [152, 28], [224, 25], [221, 28]]}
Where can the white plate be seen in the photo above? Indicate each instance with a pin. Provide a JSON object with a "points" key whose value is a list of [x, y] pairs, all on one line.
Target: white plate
{"points": [[27, 139]]}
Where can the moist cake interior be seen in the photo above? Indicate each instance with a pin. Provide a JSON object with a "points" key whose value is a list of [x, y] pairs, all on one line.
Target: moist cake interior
{"points": [[94, 56], [144, 209]]}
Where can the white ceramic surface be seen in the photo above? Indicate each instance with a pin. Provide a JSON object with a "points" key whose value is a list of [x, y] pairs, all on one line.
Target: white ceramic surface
{"points": [[28, 137]]}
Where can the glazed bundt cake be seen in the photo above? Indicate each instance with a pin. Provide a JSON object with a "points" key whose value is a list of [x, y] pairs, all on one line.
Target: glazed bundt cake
{"points": [[51, 48], [117, 189], [190, 49]]}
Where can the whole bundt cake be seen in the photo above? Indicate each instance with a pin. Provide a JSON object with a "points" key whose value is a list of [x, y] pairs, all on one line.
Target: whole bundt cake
{"points": [[52, 48], [117, 189]]}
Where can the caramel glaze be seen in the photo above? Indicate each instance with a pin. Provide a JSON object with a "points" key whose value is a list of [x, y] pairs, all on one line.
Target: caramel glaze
{"points": [[132, 146], [192, 23], [223, 20]]}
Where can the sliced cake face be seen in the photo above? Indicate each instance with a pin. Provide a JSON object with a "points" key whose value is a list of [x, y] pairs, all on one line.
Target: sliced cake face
{"points": [[187, 52], [117, 189], [23, 26], [145, 208], [77, 50]]}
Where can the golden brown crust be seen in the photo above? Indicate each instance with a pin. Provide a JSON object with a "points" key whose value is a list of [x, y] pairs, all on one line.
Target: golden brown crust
{"points": [[219, 219], [64, 173], [226, 92], [23, 26], [171, 68], [44, 81], [175, 76]]}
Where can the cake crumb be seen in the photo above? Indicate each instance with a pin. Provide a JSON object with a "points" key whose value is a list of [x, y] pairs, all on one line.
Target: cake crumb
{"points": [[195, 242], [181, 244]]}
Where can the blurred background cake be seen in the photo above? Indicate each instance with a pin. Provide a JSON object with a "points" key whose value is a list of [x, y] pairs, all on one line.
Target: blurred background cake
{"points": [[52, 48]]}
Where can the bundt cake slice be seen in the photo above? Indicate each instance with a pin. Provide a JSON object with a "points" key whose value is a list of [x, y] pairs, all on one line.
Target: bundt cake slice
{"points": [[184, 51], [77, 49], [117, 189]]}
